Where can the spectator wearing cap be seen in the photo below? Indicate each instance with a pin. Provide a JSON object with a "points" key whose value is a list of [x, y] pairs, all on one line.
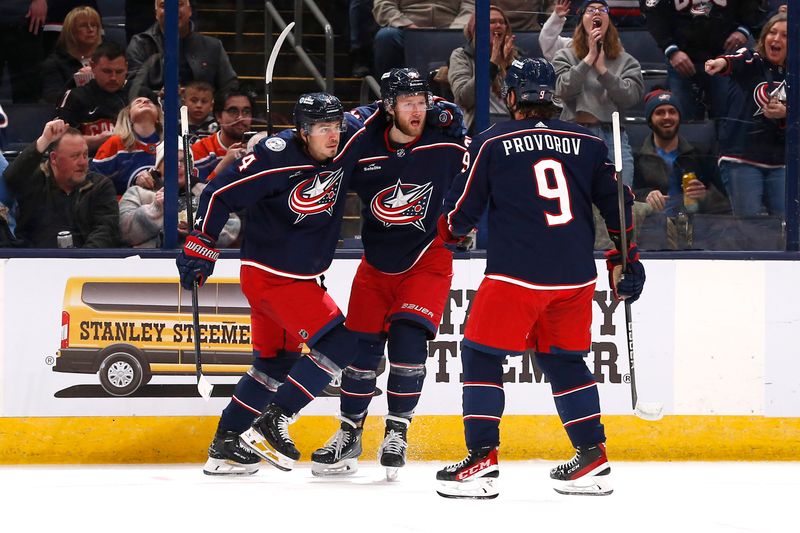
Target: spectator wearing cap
{"points": [[127, 156], [61, 194], [141, 210], [665, 157], [595, 77]]}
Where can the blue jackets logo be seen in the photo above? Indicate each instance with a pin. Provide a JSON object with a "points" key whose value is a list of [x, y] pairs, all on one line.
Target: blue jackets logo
{"points": [[316, 195], [402, 204]]}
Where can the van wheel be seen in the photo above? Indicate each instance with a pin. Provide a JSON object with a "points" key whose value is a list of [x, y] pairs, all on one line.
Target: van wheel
{"points": [[121, 374]]}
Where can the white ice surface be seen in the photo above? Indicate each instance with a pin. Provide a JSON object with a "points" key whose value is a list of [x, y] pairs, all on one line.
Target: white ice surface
{"points": [[648, 497]]}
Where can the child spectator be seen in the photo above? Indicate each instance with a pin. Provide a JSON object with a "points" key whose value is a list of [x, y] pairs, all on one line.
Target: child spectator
{"points": [[198, 97]]}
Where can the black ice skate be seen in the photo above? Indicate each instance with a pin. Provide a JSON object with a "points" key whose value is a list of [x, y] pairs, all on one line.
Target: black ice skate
{"points": [[392, 452], [588, 473], [339, 456], [474, 477], [227, 456], [269, 438]]}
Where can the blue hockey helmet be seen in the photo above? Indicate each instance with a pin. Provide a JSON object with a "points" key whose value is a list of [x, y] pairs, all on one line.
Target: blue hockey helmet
{"points": [[317, 107], [533, 80], [401, 81]]}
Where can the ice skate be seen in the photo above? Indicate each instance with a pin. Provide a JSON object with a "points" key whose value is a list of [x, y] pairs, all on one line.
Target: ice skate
{"points": [[339, 456], [588, 473], [392, 452], [474, 477], [269, 438], [227, 456]]}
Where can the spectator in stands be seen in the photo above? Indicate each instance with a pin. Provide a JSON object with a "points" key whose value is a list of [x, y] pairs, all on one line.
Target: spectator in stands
{"points": [[61, 194], [362, 31], [70, 63], [550, 39], [524, 15], [597, 77], [127, 156], [691, 33], [233, 110], [461, 72], [138, 17], [57, 11], [8, 208], [198, 97], [21, 47], [93, 108], [752, 140], [396, 16], [141, 210], [201, 57], [665, 157]]}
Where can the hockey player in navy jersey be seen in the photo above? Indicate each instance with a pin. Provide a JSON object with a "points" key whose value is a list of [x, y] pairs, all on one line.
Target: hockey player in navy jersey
{"points": [[539, 177], [401, 286], [293, 186]]}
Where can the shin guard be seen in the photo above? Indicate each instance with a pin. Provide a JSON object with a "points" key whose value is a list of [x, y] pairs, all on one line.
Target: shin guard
{"points": [[408, 352], [575, 395], [309, 376], [255, 390], [483, 397], [358, 379]]}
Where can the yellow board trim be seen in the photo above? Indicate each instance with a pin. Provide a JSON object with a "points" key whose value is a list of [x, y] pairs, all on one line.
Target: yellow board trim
{"points": [[129, 440]]}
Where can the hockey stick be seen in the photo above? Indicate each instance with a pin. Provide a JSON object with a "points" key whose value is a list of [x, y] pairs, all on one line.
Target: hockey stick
{"points": [[273, 56], [644, 410], [204, 387]]}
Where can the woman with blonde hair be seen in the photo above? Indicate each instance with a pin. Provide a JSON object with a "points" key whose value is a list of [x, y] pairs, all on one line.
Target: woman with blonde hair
{"points": [[595, 77], [461, 72], [130, 153], [68, 65]]}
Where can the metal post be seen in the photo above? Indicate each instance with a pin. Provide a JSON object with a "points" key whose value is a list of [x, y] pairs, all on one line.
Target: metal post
{"points": [[793, 132], [171, 44], [481, 65]]}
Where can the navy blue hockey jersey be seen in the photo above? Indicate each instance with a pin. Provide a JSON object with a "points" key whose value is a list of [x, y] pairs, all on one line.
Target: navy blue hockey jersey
{"points": [[539, 179], [402, 191], [294, 204]]}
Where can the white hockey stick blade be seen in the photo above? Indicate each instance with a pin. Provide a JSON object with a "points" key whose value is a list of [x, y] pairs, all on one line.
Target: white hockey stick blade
{"points": [[273, 56], [204, 387], [617, 141], [649, 410], [184, 120]]}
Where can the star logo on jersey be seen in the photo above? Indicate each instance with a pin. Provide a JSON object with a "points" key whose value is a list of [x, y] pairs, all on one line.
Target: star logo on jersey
{"points": [[316, 195], [762, 94], [402, 204]]}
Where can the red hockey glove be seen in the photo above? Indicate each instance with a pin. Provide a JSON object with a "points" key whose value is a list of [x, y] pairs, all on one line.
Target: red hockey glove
{"points": [[196, 260], [626, 285], [444, 232]]}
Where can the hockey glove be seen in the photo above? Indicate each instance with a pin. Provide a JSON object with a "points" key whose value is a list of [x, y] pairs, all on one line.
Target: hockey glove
{"points": [[449, 117], [196, 260], [628, 285]]}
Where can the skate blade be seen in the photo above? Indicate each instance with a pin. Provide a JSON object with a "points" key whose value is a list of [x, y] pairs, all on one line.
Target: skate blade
{"points": [[259, 445], [474, 489], [585, 486], [345, 467], [222, 467], [391, 473]]}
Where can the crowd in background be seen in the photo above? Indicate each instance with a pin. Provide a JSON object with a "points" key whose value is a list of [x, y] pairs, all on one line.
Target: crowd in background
{"points": [[725, 67]]}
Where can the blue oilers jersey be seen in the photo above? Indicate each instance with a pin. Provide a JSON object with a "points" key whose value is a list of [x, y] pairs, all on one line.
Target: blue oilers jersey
{"points": [[294, 204], [539, 179], [402, 189]]}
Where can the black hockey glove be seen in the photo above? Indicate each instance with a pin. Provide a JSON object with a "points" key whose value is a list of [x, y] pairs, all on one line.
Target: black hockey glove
{"points": [[628, 285], [449, 117], [196, 260], [448, 238]]}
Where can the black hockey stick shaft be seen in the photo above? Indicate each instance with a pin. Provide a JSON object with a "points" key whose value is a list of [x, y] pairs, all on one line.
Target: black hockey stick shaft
{"points": [[623, 241]]}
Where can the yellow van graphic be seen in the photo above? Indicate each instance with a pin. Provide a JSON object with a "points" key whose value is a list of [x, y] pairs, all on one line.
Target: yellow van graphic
{"points": [[130, 329]]}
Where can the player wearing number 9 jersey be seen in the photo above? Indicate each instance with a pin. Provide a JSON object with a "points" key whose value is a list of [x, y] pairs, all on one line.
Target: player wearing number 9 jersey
{"points": [[539, 177]]}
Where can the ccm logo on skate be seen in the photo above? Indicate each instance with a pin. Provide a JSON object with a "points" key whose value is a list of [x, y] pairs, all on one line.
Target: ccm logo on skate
{"points": [[474, 469]]}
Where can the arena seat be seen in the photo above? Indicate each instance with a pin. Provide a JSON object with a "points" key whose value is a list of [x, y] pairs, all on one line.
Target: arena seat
{"points": [[641, 45], [25, 123]]}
